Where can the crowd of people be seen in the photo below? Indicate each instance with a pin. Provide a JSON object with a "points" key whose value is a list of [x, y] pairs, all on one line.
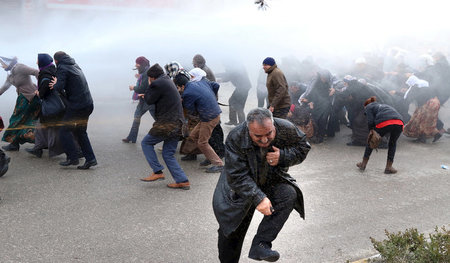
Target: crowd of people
{"points": [[306, 105]]}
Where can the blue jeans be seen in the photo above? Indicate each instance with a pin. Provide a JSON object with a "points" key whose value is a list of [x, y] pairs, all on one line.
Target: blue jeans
{"points": [[168, 153], [141, 109]]}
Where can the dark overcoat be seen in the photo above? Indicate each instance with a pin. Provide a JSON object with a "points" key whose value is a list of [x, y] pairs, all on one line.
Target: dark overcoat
{"points": [[237, 191]]}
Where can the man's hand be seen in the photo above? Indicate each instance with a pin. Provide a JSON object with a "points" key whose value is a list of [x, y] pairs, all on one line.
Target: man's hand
{"points": [[36, 92], [332, 91], [273, 157], [131, 87], [141, 95], [53, 82], [265, 207]]}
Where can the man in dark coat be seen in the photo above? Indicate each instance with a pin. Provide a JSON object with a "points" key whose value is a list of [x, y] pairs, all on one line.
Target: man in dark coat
{"points": [[166, 128], [70, 80], [237, 75], [258, 155]]}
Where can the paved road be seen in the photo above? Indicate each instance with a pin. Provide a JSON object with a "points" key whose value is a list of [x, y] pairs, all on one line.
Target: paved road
{"points": [[52, 214]]}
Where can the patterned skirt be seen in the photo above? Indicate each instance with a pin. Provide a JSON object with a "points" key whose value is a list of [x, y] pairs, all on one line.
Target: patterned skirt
{"points": [[423, 122], [21, 123]]}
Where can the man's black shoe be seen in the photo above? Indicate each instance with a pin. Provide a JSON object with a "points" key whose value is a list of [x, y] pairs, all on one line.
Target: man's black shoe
{"points": [[189, 157], [35, 152], [437, 136], [263, 252], [11, 147], [69, 162], [87, 165]]}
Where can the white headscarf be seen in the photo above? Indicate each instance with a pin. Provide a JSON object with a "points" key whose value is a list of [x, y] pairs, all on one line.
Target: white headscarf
{"points": [[415, 81], [197, 74]]}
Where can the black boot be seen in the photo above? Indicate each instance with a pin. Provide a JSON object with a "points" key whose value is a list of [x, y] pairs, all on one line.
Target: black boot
{"points": [[263, 251], [35, 152]]}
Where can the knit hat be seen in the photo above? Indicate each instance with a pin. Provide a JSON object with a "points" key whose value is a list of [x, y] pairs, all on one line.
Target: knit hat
{"points": [[44, 60], [155, 71], [269, 61], [180, 79], [142, 61]]}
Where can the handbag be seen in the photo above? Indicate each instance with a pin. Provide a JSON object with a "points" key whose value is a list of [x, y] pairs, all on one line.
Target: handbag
{"points": [[374, 139], [52, 105]]}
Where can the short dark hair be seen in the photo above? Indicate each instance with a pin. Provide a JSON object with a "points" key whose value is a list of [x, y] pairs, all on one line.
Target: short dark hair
{"points": [[180, 80], [59, 55], [259, 115], [155, 71]]}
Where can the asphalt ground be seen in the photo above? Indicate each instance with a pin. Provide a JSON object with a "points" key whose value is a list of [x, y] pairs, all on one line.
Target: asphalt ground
{"points": [[106, 214]]}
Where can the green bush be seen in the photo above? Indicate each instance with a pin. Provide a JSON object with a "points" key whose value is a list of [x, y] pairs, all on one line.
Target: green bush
{"points": [[412, 246]]}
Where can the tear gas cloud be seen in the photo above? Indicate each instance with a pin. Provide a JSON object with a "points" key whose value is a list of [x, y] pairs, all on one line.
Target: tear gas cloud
{"points": [[106, 42]]}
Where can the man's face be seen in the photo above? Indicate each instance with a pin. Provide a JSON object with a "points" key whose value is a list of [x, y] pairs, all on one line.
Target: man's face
{"points": [[262, 134], [266, 67], [138, 66], [180, 89]]}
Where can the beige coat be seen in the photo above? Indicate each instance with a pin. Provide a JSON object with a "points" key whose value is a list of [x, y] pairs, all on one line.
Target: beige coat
{"points": [[20, 77], [277, 88]]}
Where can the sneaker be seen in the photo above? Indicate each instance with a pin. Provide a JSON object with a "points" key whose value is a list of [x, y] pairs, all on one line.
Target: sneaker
{"points": [[153, 177], [205, 163], [189, 157], [214, 169], [184, 185], [263, 252]]}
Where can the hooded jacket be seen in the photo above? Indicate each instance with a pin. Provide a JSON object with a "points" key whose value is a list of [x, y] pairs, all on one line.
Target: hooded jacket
{"points": [[72, 81]]}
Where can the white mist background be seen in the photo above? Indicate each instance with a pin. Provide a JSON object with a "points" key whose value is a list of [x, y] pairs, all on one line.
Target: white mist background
{"points": [[105, 43]]}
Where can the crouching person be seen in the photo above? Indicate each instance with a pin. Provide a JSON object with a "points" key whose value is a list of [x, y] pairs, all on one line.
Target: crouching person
{"points": [[258, 155], [166, 128]]}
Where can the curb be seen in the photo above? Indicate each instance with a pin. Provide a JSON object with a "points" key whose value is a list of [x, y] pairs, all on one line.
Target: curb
{"points": [[366, 260]]}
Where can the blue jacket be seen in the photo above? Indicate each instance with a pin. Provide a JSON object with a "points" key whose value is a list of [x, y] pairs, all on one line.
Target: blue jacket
{"points": [[200, 97]]}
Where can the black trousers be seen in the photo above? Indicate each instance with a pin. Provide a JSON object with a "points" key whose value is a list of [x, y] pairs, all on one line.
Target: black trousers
{"points": [[75, 124], [395, 132], [283, 197], [280, 113]]}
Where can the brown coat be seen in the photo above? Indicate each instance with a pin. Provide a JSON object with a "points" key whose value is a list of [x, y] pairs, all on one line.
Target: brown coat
{"points": [[277, 88], [20, 78]]}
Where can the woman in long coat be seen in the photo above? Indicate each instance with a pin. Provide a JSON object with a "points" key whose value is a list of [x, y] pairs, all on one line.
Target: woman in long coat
{"points": [[26, 111], [423, 123], [47, 130]]}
